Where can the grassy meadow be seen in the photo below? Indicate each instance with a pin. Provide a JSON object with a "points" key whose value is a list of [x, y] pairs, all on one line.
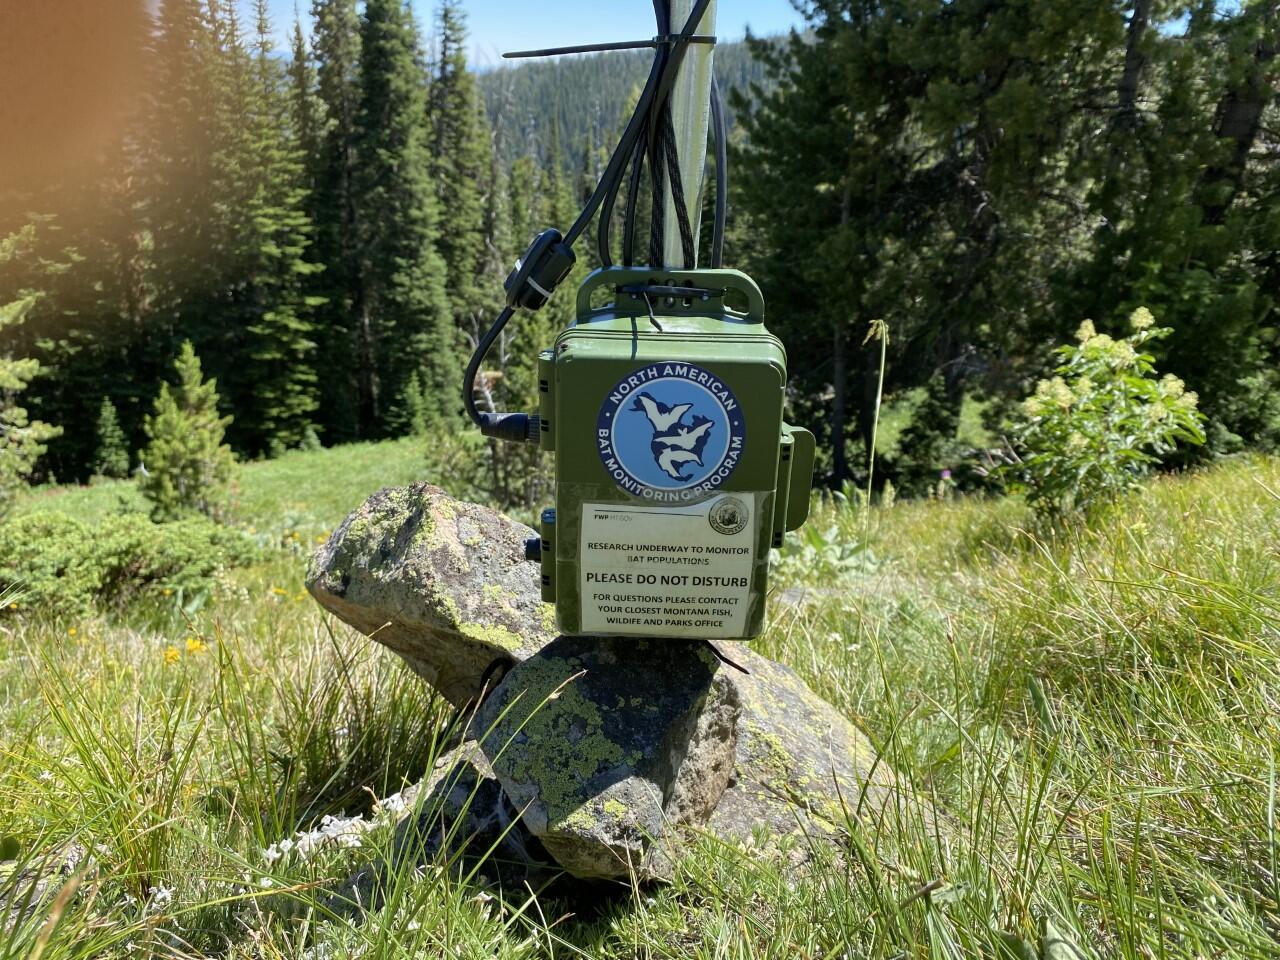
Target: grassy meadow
{"points": [[1096, 711]]}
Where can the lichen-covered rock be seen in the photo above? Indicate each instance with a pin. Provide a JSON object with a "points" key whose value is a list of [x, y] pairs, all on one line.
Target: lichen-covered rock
{"points": [[800, 765], [609, 750], [612, 746], [441, 582], [605, 744]]}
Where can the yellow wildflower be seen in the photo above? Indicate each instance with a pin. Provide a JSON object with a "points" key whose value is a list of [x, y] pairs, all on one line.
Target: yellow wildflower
{"points": [[1086, 332], [320, 539], [167, 591], [71, 632], [1141, 319], [171, 654], [13, 606], [196, 645], [279, 591]]}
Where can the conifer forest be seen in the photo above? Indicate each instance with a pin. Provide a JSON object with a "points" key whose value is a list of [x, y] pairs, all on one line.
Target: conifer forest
{"points": [[328, 224]]}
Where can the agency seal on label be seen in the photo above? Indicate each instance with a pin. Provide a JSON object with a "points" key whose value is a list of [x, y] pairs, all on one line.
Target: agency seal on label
{"points": [[728, 516], [670, 432]]}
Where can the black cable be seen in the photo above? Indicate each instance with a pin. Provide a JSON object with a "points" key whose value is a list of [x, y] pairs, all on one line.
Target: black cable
{"points": [[678, 200], [603, 47], [606, 222], [473, 367], [657, 199], [633, 200]]}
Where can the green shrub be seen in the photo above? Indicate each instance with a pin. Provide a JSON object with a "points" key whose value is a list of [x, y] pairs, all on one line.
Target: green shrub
{"points": [[67, 568], [1092, 431]]}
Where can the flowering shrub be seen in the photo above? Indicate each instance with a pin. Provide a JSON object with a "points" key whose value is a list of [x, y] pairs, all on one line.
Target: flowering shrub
{"points": [[1093, 430]]}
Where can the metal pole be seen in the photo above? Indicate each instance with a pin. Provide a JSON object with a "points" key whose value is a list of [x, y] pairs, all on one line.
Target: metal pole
{"points": [[691, 116]]}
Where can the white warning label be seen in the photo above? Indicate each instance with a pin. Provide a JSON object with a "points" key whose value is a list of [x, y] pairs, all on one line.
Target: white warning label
{"points": [[668, 571]]}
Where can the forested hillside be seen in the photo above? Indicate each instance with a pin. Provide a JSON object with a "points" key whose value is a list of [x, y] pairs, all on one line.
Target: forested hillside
{"points": [[588, 96]]}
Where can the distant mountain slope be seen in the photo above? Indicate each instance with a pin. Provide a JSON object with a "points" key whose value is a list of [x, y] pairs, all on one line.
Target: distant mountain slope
{"points": [[589, 95]]}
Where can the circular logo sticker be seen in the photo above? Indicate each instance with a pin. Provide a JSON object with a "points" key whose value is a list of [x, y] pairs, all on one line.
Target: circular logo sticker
{"points": [[728, 516], [670, 431]]}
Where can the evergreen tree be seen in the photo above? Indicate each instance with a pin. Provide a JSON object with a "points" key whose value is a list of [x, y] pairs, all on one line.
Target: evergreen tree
{"points": [[186, 467], [180, 182], [305, 109], [460, 148], [335, 213], [112, 458], [404, 325], [275, 372], [22, 440]]}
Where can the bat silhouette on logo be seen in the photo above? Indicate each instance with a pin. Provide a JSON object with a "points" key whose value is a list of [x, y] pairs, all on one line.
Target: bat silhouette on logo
{"points": [[668, 460], [675, 444], [686, 437], [660, 415]]}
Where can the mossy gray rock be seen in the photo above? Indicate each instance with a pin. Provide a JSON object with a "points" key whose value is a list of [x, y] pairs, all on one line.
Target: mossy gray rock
{"points": [[606, 744], [441, 582], [610, 750]]}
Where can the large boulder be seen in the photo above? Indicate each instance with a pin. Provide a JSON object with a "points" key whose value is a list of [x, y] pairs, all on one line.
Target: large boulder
{"points": [[441, 582], [609, 750]]}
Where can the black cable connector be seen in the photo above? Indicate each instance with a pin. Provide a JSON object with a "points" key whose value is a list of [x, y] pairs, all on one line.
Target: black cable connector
{"points": [[512, 427], [539, 271]]}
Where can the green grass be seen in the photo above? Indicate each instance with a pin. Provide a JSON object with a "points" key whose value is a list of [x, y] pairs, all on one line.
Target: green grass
{"points": [[311, 491], [1097, 712]]}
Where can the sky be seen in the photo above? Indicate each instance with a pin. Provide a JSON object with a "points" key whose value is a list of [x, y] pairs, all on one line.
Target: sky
{"points": [[500, 25]]}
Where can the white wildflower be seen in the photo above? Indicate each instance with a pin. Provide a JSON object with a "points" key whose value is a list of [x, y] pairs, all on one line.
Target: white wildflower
{"points": [[161, 897], [1141, 319]]}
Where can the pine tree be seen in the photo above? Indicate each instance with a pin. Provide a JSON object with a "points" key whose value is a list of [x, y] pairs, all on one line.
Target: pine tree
{"points": [[112, 458], [460, 147], [180, 182], [335, 213], [305, 108], [186, 467], [276, 369], [22, 440], [403, 320]]}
